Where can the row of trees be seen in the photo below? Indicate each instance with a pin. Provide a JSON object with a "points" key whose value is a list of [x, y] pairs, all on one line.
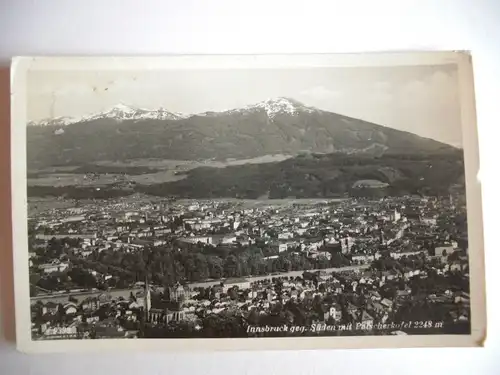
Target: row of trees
{"points": [[166, 265]]}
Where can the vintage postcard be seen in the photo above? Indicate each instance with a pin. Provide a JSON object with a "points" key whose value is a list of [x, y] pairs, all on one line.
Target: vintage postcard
{"points": [[246, 202]]}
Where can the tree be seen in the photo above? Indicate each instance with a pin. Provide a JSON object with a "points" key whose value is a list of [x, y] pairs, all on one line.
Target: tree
{"points": [[82, 278], [233, 293], [232, 267], [54, 248], [34, 278], [60, 314], [215, 267], [323, 262], [279, 288], [322, 288], [33, 291], [253, 317], [453, 256]]}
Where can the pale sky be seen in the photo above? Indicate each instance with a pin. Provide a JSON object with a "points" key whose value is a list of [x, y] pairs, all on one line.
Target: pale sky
{"points": [[423, 100]]}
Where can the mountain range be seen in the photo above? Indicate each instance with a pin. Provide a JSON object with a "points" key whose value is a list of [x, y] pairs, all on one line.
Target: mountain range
{"points": [[119, 112], [274, 126]]}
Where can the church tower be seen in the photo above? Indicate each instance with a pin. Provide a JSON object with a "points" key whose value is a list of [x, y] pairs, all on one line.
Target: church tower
{"points": [[397, 215], [147, 300], [382, 237]]}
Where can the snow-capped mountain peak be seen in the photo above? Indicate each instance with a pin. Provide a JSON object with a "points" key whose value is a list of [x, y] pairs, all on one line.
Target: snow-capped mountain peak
{"points": [[126, 112], [124, 108], [279, 105], [121, 108], [276, 106], [272, 107], [163, 114], [56, 121], [119, 112]]}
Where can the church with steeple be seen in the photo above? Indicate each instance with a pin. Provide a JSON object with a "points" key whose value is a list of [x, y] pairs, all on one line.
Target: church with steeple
{"points": [[382, 243], [167, 309]]}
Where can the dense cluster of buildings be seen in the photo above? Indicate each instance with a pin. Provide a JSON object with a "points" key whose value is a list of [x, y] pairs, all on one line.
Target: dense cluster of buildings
{"points": [[425, 237]]}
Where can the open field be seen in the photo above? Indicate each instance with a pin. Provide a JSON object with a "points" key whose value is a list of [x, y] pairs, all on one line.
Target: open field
{"points": [[38, 205], [82, 180], [190, 164], [162, 171]]}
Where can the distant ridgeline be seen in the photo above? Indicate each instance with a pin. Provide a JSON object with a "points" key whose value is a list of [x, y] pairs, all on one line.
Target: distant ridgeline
{"points": [[331, 155], [276, 126], [330, 175]]}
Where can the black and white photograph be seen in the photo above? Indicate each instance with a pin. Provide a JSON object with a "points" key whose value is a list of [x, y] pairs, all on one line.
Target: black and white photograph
{"points": [[169, 198]]}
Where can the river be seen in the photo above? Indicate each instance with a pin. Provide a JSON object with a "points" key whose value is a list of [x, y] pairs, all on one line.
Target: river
{"points": [[63, 298]]}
